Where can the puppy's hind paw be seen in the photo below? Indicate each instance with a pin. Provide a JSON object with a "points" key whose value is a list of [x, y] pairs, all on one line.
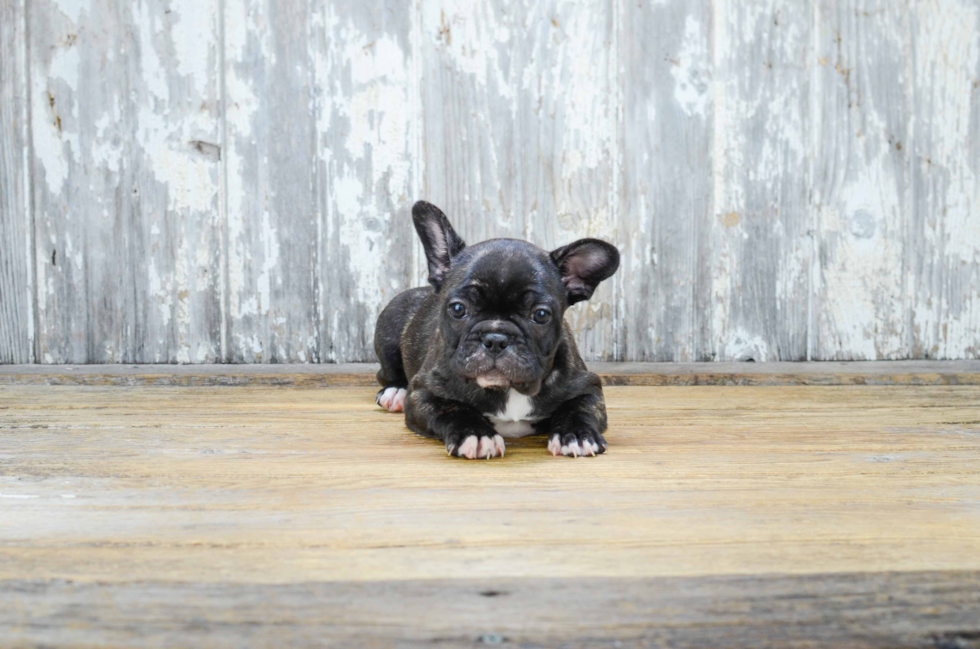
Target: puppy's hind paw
{"points": [[392, 399], [477, 448], [584, 443]]}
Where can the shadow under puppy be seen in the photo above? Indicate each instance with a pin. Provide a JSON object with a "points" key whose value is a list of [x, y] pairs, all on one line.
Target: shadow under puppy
{"points": [[485, 352]]}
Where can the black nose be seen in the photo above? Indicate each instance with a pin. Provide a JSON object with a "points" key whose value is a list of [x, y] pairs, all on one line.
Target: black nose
{"points": [[495, 343]]}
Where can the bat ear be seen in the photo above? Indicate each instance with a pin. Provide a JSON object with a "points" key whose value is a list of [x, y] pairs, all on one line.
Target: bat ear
{"points": [[440, 241], [583, 264]]}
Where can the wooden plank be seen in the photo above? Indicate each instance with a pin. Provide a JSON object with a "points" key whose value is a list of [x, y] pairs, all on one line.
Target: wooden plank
{"points": [[861, 176], [174, 484], [280, 374], [519, 109], [125, 127], [719, 517], [929, 609], [368, 168], [943, 238], [665, 179], [271, 140], [16, 258], [362, 374], [755, 248]]}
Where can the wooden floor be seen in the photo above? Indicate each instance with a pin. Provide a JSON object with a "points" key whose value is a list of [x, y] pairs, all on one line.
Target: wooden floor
{"points": [[274, 516]]}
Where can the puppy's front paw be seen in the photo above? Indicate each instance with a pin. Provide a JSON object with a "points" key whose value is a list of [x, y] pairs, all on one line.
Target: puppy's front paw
{"points": [[473, 447], [392, 399], [584, 442]]}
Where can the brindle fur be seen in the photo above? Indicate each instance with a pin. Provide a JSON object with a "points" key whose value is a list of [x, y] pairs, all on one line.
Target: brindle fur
{"points": [[436, 357]]}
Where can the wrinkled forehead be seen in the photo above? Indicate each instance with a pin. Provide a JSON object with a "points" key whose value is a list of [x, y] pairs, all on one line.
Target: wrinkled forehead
{"points": [[507, 268]]}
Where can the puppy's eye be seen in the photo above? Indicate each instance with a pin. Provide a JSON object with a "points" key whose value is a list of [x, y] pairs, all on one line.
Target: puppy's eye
{"points": [[457, 310], [541, 316]]}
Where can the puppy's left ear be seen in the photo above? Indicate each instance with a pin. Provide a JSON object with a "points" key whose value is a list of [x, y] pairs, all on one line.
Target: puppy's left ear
{"points": [[583, 265]]}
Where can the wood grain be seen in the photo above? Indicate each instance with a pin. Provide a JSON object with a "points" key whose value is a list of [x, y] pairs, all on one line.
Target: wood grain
{"points": [[283, 485], [739, 516], [16, 257], [877, 610], [125, 125]]}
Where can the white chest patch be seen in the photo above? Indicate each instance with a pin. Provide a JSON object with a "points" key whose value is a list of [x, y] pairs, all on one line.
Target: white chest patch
{"points": [[515, 419]]}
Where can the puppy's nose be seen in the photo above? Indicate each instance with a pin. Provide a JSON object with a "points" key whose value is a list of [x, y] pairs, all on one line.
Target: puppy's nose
{"points": [[495, 343]]}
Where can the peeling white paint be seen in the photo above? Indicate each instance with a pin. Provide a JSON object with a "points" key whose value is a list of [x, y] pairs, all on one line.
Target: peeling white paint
{"points": [[535, 95], [154, 76], [580, 82], [376, 110], [270, 262], [742, 345], [55, 146], [106, 152], [719, 267], [243, 107], [72, 9], [862, 210], [691, 69], [193, 39], [64, 66], [470, 32], [946, 307]]}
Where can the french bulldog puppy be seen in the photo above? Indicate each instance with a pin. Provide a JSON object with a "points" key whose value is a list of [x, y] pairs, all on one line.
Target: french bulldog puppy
{"points": [[485, 352]]}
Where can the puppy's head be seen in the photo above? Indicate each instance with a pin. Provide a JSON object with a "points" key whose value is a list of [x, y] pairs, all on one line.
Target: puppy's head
{"points": [[503, 301]]}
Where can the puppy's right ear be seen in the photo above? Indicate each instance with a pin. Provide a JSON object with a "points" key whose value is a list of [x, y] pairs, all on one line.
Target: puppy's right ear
{"points": [[440, 241]]}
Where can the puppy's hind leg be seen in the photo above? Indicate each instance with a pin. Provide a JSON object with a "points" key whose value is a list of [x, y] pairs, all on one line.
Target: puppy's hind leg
{"points": [[387, 346], [392, 377]]}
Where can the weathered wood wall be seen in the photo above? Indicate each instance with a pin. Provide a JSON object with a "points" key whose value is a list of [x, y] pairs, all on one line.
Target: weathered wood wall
{"points": [[229, 180]]}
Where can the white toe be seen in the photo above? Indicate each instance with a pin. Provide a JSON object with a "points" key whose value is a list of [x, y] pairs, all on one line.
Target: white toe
{"points": [[398, 401], [554, 445], [469, 447], [392, 399], [487, 449], [577, 448], [498, 443], [384, 399]]}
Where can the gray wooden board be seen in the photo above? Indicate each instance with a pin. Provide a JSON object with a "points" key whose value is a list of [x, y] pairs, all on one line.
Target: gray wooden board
{"points": [[861, 204], [362, 374], [943, 237], [125, 117], [230, 180], [16, 287], [520, 130], [665, 160], [367, 164], [757, 249], [912, 609], [271, 141]]}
